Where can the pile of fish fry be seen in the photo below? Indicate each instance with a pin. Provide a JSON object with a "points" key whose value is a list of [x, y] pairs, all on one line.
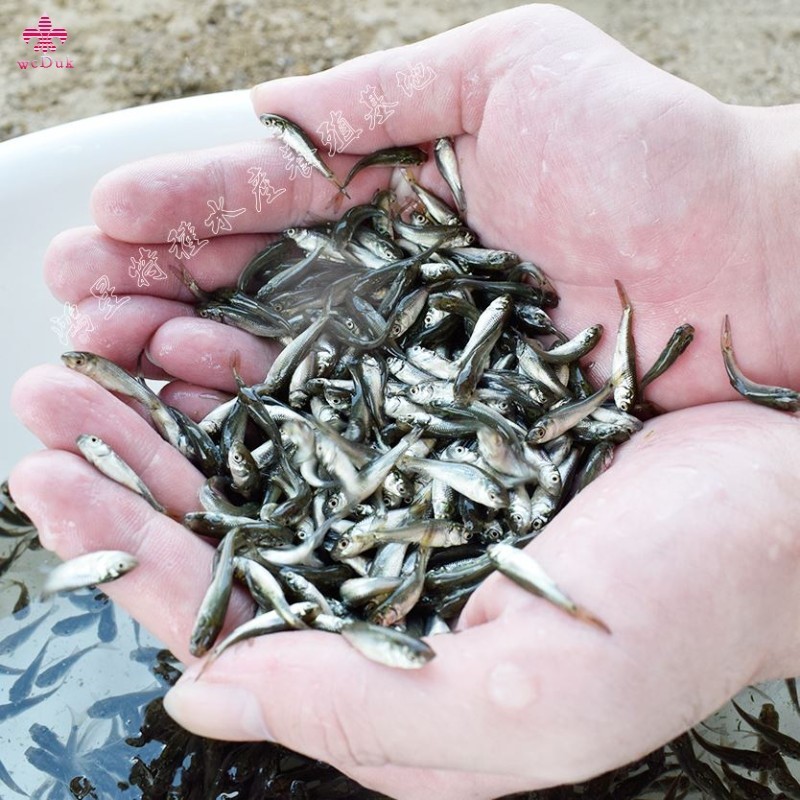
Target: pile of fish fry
{"points": [[424, 421]]}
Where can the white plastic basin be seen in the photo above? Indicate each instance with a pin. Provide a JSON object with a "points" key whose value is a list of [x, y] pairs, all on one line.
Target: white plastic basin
{"points": [[45, 183]]}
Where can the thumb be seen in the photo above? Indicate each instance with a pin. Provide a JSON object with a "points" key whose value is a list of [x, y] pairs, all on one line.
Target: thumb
{"points": [[479, 706], [312, 692], [433, 88]]}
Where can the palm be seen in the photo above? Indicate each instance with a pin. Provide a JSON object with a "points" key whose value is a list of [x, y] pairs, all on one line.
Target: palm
{"points": [[551, 700], [573, 152]]}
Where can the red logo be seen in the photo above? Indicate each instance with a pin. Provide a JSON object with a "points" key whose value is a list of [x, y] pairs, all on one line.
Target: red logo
{"points": [[44, 33]]}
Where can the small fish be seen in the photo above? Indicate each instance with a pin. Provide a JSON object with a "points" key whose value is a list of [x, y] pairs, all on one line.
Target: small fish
{"points": [[90, 569], [387, 646], [772, 396], [19, 548], [437, 210], [699, 773], [19, 637], [53, 673], [748, 789], [21, 688], [747, 759], [71, 625], [623, 362], [390, 157], [296, 139], [214, 605], [263, 624], [562, 419], [6, 778], [681, 338], [476, 353], [123, 704], [446, 160], [525, 571], [358, 591], [785, 744], [101, 456], [572, 350], [266, 590], [107, 624], [9, 710], [467, 479]]}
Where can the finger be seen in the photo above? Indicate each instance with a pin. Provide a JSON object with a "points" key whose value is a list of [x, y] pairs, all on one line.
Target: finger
{"points": [[662, 544], [78, 259], [194, 401], [408, 783], [82, 511], [119, 327], [420, 89], [200, 351], [57, 405], [492, 684], [441, 86], [143, 202]]}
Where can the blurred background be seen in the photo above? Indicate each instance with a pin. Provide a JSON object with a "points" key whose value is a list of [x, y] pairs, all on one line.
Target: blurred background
{"points": [[127, 54]]}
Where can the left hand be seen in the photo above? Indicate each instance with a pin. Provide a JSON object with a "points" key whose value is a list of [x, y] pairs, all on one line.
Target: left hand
{"points": [[683, 548]]}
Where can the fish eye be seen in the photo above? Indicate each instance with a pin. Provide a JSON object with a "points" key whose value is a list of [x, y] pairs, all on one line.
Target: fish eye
{"points": [[344, 542], [538, 523]]}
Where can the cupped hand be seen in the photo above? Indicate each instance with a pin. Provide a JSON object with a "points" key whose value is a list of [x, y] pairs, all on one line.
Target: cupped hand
{"points": [[596, 165], [670, 548], [574, 153]]}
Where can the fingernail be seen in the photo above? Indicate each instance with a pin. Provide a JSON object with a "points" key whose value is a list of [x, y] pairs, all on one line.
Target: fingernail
{"points": [[217, 711]]}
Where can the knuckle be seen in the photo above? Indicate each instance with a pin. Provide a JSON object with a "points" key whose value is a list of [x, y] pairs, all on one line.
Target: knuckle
{"points": [[347, 737]]}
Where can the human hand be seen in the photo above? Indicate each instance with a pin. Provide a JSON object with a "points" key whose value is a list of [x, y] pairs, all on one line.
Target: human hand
{"points": [[574, 153], [696, 581], [380, 742]]}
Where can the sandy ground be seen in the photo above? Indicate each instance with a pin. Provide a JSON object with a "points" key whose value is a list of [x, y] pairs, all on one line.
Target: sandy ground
{"points": [[126, 54]]}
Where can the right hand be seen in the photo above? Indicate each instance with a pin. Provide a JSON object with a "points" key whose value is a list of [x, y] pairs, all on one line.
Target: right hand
{"points": [[574, 152]]}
